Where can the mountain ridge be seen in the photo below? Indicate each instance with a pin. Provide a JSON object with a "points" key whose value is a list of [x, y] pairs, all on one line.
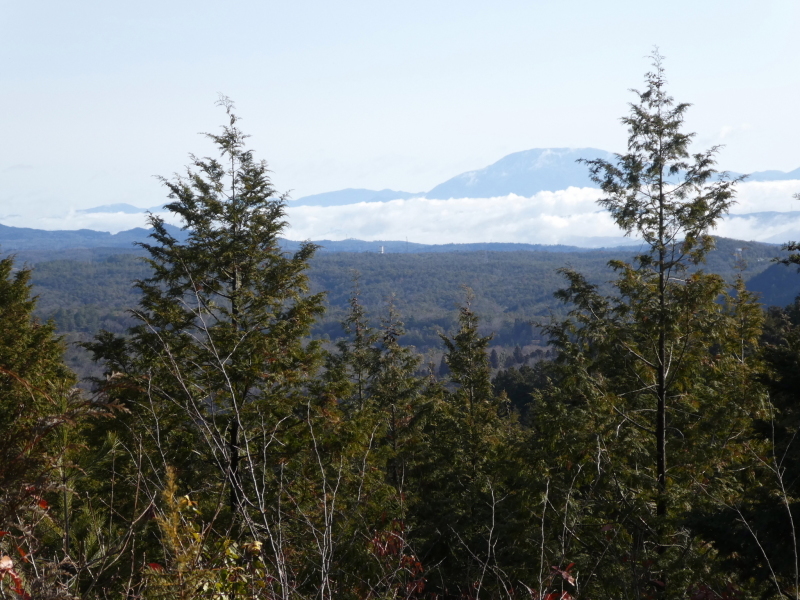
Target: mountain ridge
{"points": [[34, 242], [524, 173]]}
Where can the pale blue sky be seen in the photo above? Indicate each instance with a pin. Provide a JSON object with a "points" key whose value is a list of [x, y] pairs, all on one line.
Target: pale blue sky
{"points": [[99, 96]]}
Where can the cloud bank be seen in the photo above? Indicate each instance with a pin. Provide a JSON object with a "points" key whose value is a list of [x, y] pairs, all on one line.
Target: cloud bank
{"points": [[569, 216], [765, 211], [545, 218], [101, 221]]}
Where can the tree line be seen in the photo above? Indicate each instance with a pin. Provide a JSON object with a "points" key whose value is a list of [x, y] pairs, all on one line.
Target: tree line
{"points": [[225, 452]]}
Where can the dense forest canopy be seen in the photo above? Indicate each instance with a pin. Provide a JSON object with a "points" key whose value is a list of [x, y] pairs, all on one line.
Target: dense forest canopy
{"points": [[264, 422], [85, 291]]}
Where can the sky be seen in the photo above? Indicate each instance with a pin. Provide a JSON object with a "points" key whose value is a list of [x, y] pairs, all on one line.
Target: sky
{"points": [[99, 97]]}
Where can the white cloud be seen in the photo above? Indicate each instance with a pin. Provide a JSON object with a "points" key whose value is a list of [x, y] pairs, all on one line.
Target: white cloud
{"points": [[762, 228], [546, 218], [111, 222], [760, 196], [570, 216]]}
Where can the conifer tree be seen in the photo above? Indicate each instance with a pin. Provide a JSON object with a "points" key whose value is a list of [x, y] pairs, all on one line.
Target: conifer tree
{"points": [[462, 516], [661, 193], [42, 415], [355, 362], [217, 365], [494, 360], [33, 377], [793, 248], [637, 378], [397, 393]]}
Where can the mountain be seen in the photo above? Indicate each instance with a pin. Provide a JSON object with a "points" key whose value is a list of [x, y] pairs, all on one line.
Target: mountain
{"points": [[777, 285], [25, 238], [524, 174], [39, 244], [36, 245], [774, 175], [352, 196], [402, 247]]}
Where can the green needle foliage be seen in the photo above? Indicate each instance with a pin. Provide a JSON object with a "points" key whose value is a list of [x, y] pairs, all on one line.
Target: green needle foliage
{"points": [[37, 399], [655, 457], [217, 369], [34, 383], [644, 371], [463, 513], [43, 417]]}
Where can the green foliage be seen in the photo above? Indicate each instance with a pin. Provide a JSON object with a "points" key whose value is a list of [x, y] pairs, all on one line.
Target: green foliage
{"points": [[650, 377], [462, 512], [196, 563], [655, 457], [520, 385], [221, 317], [36, 396], [756, 532], [43, 418], [217, 371], [83, 294], [793, 248]]}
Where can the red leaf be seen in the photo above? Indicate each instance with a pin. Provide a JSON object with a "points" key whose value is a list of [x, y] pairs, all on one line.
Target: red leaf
{"points": [[22, 553], [155, 566], [43, 504], [2, 533]]}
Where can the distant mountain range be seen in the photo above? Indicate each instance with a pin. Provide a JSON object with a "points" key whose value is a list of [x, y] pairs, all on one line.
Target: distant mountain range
{"points": [[39, 244], [522, 173], [25, 238]]}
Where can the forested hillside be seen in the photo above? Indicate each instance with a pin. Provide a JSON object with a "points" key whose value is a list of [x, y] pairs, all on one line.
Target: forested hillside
{"points": [[92, 290], [262, 424]]}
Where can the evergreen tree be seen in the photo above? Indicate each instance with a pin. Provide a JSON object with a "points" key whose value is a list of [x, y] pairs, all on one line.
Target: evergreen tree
{"points": [[354, 364], [397, 394], [383, 402], [42, 417], [519, 357], [217, 370], [793, 248], [638, 379], [33, 385], [661, 193], [520, 384], [462, 515], [32, 378]]}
